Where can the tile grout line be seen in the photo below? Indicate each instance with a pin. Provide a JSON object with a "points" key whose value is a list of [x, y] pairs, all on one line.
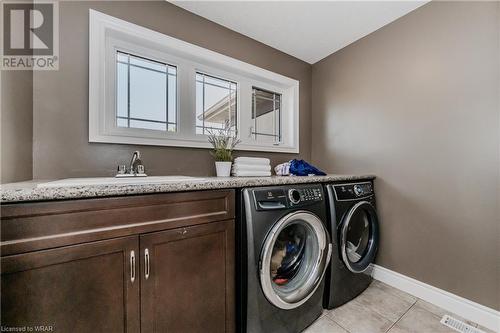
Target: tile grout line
{"points": [[390, 319], [333, 321], [397, 321], [396, 294], [413, 303], [388, 291]]}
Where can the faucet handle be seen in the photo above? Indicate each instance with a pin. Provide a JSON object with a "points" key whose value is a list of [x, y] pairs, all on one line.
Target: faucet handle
{"points": [[140, 169], [122, 169]]}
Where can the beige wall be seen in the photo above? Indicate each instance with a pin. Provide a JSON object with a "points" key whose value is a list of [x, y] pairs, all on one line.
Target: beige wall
{"points": [[16, 141], [61, 148], [417, 104]]}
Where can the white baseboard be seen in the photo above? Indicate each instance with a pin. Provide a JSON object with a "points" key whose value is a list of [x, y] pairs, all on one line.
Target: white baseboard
{"points": [[463, 307]]}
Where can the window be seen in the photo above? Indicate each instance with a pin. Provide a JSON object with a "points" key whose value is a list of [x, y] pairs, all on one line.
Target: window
{"points": [[266, 115], [215, 103], [145, 94], [151, 89]]}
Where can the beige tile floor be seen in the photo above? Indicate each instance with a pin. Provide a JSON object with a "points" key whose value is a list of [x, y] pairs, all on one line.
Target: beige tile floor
{"points": [[381, 309]]}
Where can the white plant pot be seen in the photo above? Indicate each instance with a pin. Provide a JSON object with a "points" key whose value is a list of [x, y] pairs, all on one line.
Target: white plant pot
{"points": [[223, 169]]}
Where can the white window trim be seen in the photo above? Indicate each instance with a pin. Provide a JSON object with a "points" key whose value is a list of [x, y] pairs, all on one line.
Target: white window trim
{"points": [[106, 33]]}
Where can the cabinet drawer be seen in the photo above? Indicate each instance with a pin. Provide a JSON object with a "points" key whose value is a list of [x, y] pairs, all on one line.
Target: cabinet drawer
{"points": [[40, 225]]}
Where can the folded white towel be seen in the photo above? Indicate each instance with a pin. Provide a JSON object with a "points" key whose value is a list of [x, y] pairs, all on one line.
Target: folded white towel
{"points": [[251, 167], [252, 160], [252, 174]]}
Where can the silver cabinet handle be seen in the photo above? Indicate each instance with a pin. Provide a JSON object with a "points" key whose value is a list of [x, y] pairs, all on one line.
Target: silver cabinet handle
{"points": [[146, 264], [132, 266]]}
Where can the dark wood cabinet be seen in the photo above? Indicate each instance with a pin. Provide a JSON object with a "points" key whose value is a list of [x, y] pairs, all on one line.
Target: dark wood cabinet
{"points": [[81, 288], [152, 263], [188, 281]]}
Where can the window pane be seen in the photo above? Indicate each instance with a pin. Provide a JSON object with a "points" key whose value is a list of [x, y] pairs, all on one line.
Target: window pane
{"points": [[199, 106], [172, 128], [122, 57], [121, 90], [217, 82], [172, 98], [148, 64], [148, 94], [121, 122], [216, 102], [144, 99], [147, 125], [264, 94], [266, 116]]}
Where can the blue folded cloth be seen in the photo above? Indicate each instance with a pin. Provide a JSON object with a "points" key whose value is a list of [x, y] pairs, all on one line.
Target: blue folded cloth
{"points": [[302, 168]]}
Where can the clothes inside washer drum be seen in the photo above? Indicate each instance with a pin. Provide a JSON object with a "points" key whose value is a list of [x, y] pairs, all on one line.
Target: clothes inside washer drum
{"points": [[288, 253]]}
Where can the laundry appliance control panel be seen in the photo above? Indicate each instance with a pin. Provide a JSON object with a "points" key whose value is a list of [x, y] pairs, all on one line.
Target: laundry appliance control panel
{"points": [[353, 191], [285, 198]]}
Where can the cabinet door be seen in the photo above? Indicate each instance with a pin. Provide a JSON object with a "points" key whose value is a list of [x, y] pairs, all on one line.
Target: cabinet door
{"points": [[187, 279], [80, 288]]}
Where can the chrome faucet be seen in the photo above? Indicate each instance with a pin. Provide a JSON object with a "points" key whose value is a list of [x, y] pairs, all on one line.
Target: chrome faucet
{"points": [[135, 162], [136, 168]]}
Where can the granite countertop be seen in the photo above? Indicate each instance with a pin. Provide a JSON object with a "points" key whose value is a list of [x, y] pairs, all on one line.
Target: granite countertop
{"points": [[36, 191]]}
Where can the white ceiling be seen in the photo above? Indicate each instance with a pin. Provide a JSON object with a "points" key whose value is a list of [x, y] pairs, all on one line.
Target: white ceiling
{"points": [[308, 30]]}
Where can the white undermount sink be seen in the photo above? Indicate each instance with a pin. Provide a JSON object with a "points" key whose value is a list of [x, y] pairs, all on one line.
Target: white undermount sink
{"points": [[117, 181]]}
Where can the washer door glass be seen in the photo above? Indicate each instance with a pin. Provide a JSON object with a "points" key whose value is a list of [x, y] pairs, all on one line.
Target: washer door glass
{"points": [[294, 258], [359, 237]]}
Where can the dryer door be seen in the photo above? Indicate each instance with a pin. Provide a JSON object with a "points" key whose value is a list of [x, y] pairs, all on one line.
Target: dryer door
{"points": [[293, 259], [359, 237]]}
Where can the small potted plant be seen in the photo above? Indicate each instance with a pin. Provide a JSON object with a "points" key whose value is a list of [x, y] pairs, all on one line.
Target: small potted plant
{"points": [[223, 143]]}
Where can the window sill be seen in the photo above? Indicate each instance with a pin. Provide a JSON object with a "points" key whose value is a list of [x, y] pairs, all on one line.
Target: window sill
{"points": [[188, 143]]}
